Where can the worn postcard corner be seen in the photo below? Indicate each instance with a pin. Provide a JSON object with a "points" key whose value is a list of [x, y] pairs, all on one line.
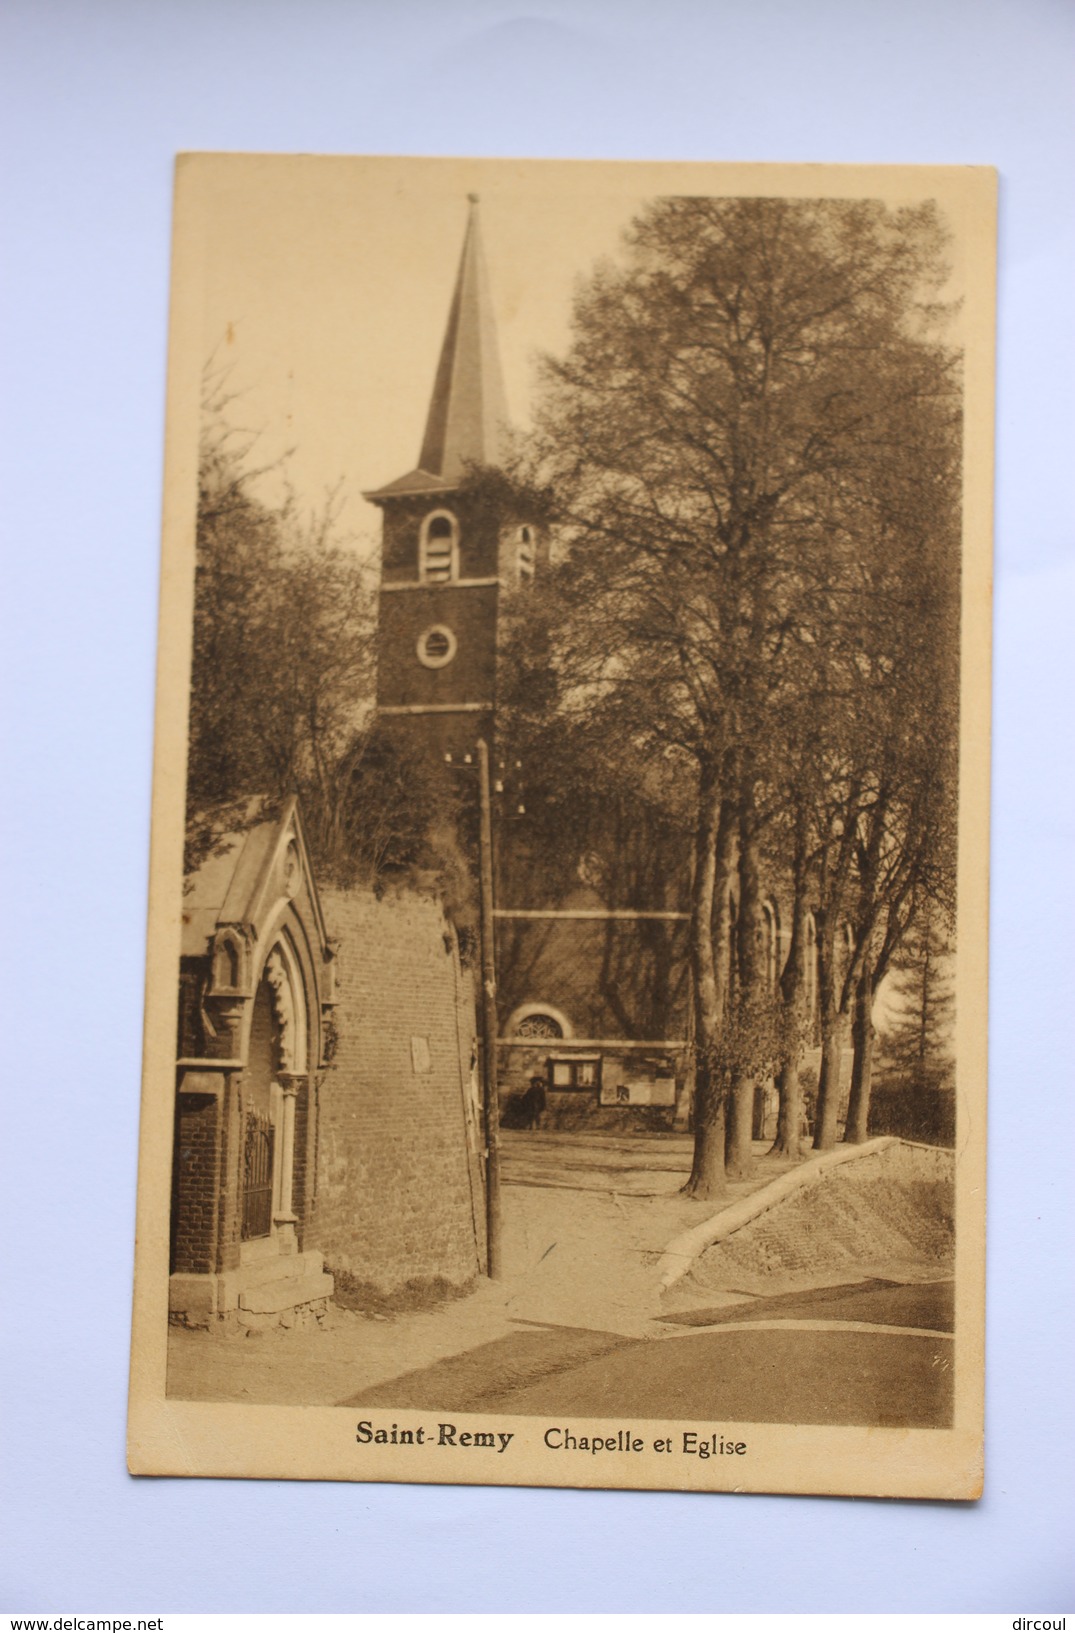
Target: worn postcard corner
{"points": [[566, 993]]}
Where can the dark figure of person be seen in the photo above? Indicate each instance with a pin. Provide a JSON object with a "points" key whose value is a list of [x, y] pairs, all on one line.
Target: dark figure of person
{"points": [[534, 1103]]}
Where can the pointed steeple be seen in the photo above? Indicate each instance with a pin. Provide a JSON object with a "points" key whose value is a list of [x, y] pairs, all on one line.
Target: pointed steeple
{"points": [[468, 414]]}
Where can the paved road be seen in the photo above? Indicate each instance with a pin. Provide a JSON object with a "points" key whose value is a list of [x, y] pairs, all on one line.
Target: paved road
{"points": [[586, 1216], [874, 1353], [750, 1376]]}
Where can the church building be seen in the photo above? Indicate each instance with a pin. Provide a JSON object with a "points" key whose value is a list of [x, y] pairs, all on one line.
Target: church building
{"points": [[591, 965]]}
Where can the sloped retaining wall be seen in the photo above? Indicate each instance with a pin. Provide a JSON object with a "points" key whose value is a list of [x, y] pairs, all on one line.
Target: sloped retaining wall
{"points": [[887, 1198]]}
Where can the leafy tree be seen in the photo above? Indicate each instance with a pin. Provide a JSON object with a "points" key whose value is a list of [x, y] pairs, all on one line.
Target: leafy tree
{"points": [[915, 1046], [917, 1041], [742, 393], [888, 815]]}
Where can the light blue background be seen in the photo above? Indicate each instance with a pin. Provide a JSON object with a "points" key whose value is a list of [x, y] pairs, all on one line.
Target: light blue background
{"points": [[98, 96]]}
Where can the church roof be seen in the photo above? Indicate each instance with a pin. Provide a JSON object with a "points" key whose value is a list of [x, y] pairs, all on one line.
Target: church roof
{"points": [[414, 482], [468, 414], [239, 881]]}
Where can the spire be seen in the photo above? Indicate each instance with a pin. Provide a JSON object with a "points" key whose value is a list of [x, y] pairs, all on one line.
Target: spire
{"points": [[468, 413]]}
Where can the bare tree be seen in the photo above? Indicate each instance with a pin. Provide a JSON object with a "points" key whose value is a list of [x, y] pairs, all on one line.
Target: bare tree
{"points": [[282, 683]]}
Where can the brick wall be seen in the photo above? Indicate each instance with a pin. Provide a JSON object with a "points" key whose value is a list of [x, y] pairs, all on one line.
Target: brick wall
{"points": [[194, 1183], [398, 1189]]}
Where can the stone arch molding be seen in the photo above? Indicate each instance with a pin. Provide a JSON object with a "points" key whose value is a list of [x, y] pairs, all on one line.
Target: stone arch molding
{"points": [[284, 976]]}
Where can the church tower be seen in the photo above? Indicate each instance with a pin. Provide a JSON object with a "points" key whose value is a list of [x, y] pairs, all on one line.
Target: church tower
{"points": [[591, 960], [448, 552]]}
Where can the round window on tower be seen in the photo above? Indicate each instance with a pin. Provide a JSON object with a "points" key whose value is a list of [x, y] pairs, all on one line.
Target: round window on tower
{"points": [[436, 646]]}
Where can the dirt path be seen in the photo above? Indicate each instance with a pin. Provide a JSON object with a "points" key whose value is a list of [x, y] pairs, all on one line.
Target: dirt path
{"points": [[588, 1216], [585, 1218]]}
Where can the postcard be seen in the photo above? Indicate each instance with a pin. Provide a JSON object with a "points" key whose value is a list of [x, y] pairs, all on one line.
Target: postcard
{"points": [[565, 1050]]}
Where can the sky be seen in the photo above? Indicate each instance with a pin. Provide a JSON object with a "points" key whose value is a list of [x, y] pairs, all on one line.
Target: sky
{"points": [[326, 290], [325, 285]]}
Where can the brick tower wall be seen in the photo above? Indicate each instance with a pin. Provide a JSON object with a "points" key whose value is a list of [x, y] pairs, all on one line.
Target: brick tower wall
{"points": [[470, 612]]}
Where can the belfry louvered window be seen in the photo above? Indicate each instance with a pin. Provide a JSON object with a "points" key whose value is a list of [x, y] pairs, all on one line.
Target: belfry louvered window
{"points": [[526, 554], [438, 555]]}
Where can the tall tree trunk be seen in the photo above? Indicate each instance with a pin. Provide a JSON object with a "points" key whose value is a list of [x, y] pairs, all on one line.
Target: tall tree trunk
{"points": [[862, 1035], [789, 1121], [832, 1033], [789, 1117], [683, 1114], [739, 1134], [739, 1149], [707, 1171], [723, 921], [828, 1090], [686, 1113]]}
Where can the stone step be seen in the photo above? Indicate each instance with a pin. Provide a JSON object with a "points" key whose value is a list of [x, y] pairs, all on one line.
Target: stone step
{"points": [[286, 1293], [277, 1266]]}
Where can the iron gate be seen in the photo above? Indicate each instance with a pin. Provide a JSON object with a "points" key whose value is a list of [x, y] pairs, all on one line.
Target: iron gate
{"points": [[257, 1177]]}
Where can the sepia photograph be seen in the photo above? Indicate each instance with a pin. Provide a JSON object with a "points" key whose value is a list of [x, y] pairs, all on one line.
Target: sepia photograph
{"points": [[565, 1055]]}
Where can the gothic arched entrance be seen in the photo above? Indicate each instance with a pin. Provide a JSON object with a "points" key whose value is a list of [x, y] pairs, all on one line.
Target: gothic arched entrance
{"points": [[256, 990], [275, 1074]]}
